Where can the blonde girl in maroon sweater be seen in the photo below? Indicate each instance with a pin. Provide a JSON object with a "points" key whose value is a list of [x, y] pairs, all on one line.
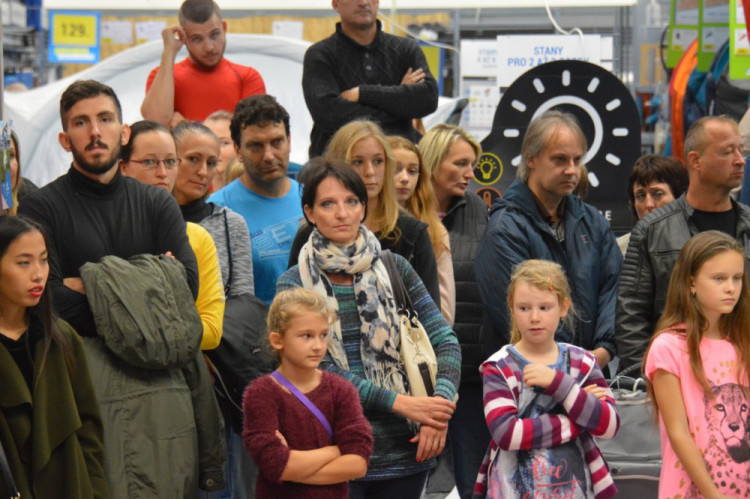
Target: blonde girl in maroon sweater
{"points": [[300, 453]]}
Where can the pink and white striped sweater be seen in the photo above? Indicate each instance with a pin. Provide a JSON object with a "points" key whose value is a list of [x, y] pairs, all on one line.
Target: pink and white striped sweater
{"points": [[585, 415]]}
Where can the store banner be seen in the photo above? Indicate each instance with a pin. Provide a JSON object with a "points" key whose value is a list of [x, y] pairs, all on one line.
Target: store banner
{"points": [[683, 28], [517, 54], [739, 48], [713, 30], [74, 37]]}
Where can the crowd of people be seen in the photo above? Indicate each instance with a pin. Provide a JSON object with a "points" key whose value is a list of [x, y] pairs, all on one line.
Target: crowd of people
{"points": [[116, 279]]}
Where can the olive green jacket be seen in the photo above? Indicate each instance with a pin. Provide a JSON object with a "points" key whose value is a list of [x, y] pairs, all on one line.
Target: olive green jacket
{"points": [[53, 437]]}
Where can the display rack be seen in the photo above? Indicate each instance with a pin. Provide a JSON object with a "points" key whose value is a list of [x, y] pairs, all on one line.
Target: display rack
{"points": [[22, 44]]}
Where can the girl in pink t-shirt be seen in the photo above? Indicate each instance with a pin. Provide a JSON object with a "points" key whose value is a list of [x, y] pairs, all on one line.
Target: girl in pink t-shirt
{"points": [[698, 365]]}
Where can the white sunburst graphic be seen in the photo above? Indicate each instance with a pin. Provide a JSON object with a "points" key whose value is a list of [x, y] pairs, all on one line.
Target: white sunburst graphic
{"points": [[600, 118]]}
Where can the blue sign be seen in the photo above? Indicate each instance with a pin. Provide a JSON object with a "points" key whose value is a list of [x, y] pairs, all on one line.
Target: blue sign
{"points": [[74, 37]]}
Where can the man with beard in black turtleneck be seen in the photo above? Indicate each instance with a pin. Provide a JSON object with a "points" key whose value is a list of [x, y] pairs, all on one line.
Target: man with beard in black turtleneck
{"points": [[91, 212]]}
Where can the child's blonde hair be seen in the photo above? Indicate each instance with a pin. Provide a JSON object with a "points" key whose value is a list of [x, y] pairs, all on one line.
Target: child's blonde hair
{"points": [[544, 275], [292, 303]]}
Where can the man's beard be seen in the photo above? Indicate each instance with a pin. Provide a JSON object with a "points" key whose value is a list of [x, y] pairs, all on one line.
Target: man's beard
{"points": [[96, 168], [205, 67]]}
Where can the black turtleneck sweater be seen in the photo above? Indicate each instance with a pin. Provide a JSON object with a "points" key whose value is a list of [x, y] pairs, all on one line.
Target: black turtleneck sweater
{"points": [[338, 63], [197, 210], [87, 220]]}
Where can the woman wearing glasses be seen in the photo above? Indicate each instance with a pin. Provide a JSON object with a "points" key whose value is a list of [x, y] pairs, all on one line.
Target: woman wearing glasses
{"points": [[150, 156]]}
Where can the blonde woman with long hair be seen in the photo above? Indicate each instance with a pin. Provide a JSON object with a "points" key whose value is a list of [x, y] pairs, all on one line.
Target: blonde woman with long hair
{"points": [[363, 145], [415, 194], [450, 154]]}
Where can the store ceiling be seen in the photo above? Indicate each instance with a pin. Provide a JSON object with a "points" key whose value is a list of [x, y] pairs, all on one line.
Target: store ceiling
{"points": [[325, 5]]}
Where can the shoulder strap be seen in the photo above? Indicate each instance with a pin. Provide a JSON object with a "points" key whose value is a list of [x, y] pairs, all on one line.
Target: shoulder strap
{"points": [[303, 398], [400, 294], [228, 286]]}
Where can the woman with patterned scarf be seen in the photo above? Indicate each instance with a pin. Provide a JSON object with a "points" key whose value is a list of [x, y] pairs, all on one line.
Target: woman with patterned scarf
{"points": [[342, 261]]}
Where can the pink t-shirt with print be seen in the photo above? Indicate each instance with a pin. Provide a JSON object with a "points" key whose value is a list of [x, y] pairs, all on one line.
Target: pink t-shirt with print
{"points": [[719, 427]]}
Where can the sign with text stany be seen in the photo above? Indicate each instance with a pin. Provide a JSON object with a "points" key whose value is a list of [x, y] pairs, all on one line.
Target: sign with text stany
{"points": [[516, 54]]}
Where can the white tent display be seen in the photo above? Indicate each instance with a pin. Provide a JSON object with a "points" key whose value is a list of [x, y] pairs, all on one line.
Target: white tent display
{"points": [[36, 118]]}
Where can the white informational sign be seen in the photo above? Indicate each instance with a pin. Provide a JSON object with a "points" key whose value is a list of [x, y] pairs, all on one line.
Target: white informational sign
{"points": [[516, 54], [117, 32], [741, 44], [288, 29], [713, 38], [478, 58], [483, 99], [682, 38], [145, 31]]}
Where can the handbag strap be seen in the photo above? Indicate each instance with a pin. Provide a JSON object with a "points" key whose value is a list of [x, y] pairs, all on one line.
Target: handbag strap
{"points": [[303, 398], [10, 483], [403, 300], [228, 286], [404, 304]]}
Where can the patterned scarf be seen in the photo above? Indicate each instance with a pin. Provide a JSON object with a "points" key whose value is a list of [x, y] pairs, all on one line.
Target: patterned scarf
{"points": [[379, 333]]}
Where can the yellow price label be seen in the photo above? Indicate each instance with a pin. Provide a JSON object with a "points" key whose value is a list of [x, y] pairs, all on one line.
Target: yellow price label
{"points": [[71, 29]]}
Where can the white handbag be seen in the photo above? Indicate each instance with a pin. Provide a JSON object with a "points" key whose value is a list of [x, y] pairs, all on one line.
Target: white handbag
{"points": [[417, 354]]}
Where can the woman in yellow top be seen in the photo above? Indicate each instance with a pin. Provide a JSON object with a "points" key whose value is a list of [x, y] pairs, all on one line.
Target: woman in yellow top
{"points": [[150, 156]]}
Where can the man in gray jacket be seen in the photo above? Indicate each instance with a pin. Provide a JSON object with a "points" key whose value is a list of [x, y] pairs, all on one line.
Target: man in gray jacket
{"points": [[714, 158]]}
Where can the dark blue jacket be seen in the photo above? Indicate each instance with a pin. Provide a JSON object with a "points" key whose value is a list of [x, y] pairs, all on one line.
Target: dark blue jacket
{"points": [[590, 257]]}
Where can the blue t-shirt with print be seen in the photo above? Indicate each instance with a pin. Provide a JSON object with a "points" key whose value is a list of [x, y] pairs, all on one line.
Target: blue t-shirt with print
{"points": [[272, 222]]}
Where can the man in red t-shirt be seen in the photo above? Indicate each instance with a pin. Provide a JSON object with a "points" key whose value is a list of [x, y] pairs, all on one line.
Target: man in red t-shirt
{"points": [[205, 81]]}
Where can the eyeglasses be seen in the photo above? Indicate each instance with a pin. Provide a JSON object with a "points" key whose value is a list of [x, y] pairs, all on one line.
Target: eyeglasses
{"points": [[151, 164]]}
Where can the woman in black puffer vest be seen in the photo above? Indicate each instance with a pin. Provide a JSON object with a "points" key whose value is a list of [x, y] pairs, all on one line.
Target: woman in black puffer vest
{"points": [[450, 154]]}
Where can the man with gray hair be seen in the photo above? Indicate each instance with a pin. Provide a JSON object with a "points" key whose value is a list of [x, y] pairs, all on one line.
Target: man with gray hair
{"points": [[715, 160], [540, 217]]}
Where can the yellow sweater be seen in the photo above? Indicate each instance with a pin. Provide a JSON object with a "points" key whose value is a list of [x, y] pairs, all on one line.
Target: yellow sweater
{"points": [[210, 301]]}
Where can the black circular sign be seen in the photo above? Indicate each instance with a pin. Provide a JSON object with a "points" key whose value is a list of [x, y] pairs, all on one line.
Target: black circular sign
{"points": [[608, 117]]}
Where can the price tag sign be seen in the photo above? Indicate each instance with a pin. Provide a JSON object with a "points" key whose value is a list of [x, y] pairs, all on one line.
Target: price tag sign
{"points": [[74, 37]]}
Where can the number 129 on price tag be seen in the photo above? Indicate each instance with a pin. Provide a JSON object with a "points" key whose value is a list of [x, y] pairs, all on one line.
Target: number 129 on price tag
{"points": [[72, 29]]}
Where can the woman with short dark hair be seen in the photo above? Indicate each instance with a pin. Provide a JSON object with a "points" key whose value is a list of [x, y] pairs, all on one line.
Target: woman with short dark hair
{"points": [[342, 261], [655, 181]]}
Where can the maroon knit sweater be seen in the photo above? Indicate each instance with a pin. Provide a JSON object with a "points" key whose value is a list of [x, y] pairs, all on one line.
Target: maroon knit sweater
{"points": [[269, 407]]}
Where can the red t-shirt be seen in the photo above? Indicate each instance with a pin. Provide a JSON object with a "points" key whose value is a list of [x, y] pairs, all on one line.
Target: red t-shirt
{"points": [[199, 92]]}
